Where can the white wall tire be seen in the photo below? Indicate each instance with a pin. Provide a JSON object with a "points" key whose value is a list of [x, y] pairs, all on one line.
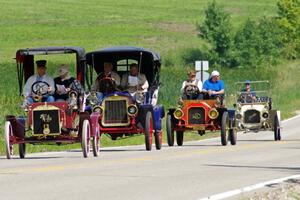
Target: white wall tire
{"points": [[85, 138], [7, 135]]}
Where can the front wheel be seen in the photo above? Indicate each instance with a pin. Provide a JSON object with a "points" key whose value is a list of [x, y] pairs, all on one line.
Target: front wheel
{"points": [[85, 138], [179, 138], [277, 134], [170, 131], [7, 134], [96, 146], [148, 131], [224, 128]]}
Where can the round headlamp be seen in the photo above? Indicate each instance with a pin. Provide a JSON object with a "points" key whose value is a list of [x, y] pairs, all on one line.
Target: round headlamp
{"points": [[98, 109], [132, 110], [238, 116], [265, 115], [213, 113], [178, 113]]}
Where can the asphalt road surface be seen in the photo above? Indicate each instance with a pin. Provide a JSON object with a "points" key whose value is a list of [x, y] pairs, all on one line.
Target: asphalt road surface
{"points": [[196, 170]]}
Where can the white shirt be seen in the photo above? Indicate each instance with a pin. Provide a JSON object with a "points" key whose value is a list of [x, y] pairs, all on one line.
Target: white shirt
{"points": [[32, 79], [195, 82]]}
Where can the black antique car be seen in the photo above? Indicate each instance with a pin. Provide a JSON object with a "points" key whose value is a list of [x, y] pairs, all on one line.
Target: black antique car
{"points": [[120, 113], [51, 122]]}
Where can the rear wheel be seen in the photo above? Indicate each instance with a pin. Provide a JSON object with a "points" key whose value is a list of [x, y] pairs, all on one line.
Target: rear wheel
{"points": [[148, 131], [7, 135], [179, 138], [158, 139], [277, 134], [22, 150], [170, 131], [85, 138], [224, 128]]}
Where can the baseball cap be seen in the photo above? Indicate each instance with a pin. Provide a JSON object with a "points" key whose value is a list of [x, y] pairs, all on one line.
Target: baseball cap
{"points": [[215, 73]]}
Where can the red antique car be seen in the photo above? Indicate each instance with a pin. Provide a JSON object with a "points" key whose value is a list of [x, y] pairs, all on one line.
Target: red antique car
{"points": [[53, 122], [201, 115]]}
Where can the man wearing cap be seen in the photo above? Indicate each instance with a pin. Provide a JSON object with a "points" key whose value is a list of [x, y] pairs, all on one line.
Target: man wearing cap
{"points": [[134, 81], [64, 83], [108, 72], [39, 78], [214, 86], [248, 95], [190, 84]]}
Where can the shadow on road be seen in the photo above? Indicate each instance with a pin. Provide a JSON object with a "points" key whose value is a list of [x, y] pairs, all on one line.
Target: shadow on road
{"points": [[294, 169]]}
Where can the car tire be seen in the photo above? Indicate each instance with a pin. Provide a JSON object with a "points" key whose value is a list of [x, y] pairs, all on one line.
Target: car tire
{"points": [[22, 150], [85, 138], [179, 138], [277, 134], [148, 131], [7, 134], [96, 145], [224, 128], [170, 131], [158, 139]]}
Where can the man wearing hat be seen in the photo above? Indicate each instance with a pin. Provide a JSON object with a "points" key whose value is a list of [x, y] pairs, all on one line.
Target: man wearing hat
{"points": [[248, 95], [64, 83], [40, 76], [214, 86], [190, 83]]}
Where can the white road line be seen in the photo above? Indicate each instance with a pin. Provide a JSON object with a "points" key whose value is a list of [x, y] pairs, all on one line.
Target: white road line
{"points": [[289, 119], [232, 193]]}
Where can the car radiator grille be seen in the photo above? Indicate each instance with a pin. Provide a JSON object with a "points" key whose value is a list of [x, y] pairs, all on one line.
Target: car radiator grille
{"points": [[196, 116], [115, 112], [46, 122], [252, 116]]}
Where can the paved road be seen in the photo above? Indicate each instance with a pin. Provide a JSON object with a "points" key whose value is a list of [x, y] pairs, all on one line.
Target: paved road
{"points": [[196, 170]]}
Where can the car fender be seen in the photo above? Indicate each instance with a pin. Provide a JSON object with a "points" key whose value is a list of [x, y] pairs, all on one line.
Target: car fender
{"points": [[158, 113], [94, 119]]}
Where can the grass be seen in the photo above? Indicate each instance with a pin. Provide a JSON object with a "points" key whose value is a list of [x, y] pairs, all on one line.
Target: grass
{"points": [[168, 27]]}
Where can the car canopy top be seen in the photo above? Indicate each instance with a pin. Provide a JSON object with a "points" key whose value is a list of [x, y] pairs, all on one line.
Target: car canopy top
{"points": [[25, 61], [148, 61]]}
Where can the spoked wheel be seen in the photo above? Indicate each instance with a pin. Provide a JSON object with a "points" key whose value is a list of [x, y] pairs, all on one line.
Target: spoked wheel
{"points": [[85, 138], [148, 131], [179, 138], [170, 131], [96, 145], [277, 134], [224, 128], [22, 150], [158, 139], [7, 134]]}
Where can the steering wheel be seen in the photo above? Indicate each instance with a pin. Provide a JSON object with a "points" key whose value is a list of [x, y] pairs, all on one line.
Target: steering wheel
{"points": [[246, 98], [191, 91], [40, 88], [75, 86], [107, 85]]}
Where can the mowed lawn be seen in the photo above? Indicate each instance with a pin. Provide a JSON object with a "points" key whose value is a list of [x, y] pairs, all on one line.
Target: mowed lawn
{"points": [[161, 25]]}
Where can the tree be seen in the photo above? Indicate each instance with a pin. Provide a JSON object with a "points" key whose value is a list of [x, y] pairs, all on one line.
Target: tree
{"points": [[217, 30], [289, 21]]}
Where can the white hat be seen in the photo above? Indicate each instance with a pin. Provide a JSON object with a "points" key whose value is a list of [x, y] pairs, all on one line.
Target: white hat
{"points": [[63, 69], [214, 73]]}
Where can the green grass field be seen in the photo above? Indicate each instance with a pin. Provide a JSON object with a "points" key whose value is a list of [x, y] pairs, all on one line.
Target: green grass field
{"points": [[168, 27]]}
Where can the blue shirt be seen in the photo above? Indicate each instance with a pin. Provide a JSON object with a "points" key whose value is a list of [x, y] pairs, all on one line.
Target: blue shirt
{"points": [[217, 86]]}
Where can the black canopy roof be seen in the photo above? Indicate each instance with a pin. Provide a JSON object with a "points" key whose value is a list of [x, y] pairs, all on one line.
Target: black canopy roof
{"points": [[52, 50]]}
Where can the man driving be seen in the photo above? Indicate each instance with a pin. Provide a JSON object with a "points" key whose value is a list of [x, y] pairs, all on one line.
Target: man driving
{"points": [[247, 94], [39, 85], [106, 81], [191, 87]]}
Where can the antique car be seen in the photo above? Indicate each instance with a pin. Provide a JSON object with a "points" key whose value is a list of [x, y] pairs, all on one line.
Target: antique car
{"points": [[59, 123], [200, 115], [254, 108], [122, 114]]}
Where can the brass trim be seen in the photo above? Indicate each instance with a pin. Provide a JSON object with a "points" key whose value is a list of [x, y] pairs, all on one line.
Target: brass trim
{"points": [[42, 108], [114, 98], [211, 110]]}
